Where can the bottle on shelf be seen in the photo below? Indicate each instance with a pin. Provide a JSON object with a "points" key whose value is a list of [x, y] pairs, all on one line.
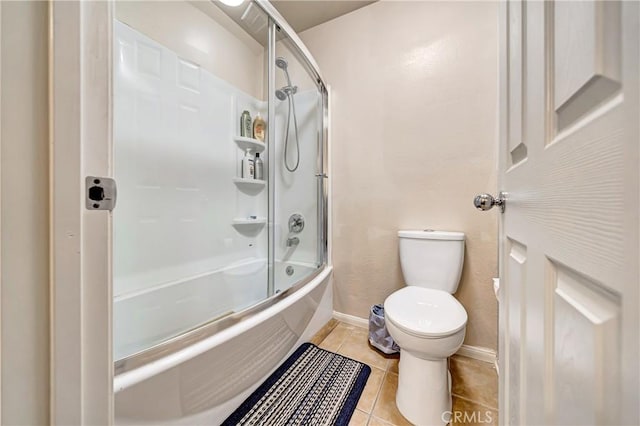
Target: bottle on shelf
{"points": [[247, 166], [259, 127], [258, 167], [245, 124]]}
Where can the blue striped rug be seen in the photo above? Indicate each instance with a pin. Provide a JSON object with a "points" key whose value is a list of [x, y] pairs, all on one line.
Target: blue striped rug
{"points": [[312, 387]]}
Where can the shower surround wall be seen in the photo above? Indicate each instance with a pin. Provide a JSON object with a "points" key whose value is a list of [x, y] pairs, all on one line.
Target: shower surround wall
{"points": [[414, 128], [296, 192], [178, 261], [200, 33]]}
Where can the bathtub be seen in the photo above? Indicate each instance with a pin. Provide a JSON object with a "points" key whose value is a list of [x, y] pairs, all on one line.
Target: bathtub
{"points": [[146, 318], [206, 380]]}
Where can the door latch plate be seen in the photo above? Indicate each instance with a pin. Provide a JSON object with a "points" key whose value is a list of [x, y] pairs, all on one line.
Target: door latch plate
{"points": [[101, 193]]}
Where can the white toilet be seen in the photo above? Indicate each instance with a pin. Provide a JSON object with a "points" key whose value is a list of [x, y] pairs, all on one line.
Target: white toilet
{"points": [[427, 322]]}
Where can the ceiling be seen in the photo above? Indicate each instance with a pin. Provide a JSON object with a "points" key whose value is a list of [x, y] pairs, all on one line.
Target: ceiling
{"points": [[300, 14], [304, 14]]}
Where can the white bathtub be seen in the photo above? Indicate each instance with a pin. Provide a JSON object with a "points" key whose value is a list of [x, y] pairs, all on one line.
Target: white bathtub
{"points": [[204, 382], [146, 318]]}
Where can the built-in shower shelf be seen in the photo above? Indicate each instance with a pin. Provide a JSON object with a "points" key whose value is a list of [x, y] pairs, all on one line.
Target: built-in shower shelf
{"points": [[247, 221], [249, 143], [249, 182]]}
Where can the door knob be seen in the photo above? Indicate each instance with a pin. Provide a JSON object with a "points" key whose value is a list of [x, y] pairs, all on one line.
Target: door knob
{"points": [[486, 201]]}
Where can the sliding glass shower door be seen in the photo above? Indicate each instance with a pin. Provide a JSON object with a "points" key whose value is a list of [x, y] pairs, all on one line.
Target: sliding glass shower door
{"points": [[201, 91], [297, 177]]}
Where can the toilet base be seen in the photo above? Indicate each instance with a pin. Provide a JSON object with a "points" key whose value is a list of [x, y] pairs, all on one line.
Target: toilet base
{"points": [[424, 390]]}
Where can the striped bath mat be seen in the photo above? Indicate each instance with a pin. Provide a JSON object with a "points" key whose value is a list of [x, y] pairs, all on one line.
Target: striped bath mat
{"points": [[312, 387]]}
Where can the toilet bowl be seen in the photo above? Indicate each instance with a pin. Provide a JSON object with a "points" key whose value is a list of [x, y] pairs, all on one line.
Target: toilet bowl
{"points": [[427, 322]]}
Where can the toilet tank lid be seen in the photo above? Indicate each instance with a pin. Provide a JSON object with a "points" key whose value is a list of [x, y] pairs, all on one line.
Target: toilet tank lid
{"points": [[429, 234]]}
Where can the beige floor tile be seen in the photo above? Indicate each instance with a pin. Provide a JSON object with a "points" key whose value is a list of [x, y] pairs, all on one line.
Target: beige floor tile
{"points": [[359, 418], [356, 346], [368, 397], [394, 362], [385, 408], [324, 331], [465, 412], [374, 421], [474, 380], [337, 336]]}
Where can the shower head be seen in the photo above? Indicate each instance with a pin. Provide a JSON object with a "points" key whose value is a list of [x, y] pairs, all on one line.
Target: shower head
{"points": [[281, 63], [280, 94], [286, 91]]}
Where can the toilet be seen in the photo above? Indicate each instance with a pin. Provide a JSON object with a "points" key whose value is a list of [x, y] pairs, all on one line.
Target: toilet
{"points": [[427, 322]]}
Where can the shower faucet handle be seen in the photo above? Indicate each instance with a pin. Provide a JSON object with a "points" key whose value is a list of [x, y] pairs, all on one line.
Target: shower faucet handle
{"points": [[296, 223]]}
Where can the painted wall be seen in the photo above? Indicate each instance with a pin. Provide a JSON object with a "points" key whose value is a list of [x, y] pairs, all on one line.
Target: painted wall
{"points": [[414, 139], [24, 214]]}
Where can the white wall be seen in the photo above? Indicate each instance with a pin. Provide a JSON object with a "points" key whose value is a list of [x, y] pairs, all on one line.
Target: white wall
{"points": [[24, 214], [297, 192], [175, 160], [414, 123], [195, 36]]}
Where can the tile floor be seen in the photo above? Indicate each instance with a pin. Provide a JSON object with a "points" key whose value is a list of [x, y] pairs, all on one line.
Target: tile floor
{"points": [[474, 382]]}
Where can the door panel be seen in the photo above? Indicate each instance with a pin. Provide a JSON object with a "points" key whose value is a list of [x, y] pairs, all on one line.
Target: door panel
{"points": [[586, 54], [517, 146], [586, 349], [569, 287], [516, 274]]}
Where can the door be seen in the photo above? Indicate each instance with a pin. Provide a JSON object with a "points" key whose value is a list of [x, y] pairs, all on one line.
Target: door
{"points": [[569, 234]]}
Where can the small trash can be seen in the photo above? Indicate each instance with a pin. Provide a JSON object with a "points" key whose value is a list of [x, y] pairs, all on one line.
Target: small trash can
{"points": [[378, 335]]}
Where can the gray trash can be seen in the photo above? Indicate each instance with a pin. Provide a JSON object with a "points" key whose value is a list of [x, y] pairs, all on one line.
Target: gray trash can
{"points": [[378, 335]]}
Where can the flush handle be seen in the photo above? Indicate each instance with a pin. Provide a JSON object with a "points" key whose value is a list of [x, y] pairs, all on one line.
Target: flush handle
{"points": [[487, 201]]}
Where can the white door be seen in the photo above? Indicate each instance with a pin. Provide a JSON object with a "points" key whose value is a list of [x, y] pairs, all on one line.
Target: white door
{"points": [[569, 234]]}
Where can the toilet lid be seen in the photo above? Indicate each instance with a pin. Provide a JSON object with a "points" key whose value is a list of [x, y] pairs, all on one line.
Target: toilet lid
{"points": [[425, 312]]}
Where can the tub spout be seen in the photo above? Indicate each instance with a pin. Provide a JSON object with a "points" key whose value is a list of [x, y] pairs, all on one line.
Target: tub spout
{"points": [[293, 241]]}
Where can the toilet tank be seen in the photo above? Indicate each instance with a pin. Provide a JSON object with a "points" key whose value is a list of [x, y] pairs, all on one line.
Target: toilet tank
{"points": [[432, 259]]}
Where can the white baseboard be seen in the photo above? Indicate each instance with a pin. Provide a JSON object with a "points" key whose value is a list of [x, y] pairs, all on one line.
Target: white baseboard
{"points": [[475, 352], [351, 320], [478, 352]]}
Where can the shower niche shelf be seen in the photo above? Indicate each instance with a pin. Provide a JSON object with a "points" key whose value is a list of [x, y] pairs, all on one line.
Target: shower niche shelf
{"points": [[249, 143], [252, 183]]}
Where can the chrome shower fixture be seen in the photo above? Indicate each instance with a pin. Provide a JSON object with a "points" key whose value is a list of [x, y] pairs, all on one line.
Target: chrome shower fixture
{"points": [[281, 63], [286, 93]]}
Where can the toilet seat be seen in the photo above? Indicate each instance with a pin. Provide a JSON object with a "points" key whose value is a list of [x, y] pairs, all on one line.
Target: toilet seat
{"points": [[425, 312]]}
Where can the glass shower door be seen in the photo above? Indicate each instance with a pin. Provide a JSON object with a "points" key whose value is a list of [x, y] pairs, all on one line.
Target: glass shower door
{"points": [[190, 232], [297, 175]]}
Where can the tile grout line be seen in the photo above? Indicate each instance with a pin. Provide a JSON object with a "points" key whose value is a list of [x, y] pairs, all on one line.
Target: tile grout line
{"points": [[343, 340], [475, 402], [375, 401], [385, 371]]}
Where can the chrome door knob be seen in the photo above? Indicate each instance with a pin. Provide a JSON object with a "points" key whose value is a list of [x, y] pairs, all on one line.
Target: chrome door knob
{"points": [[486, 202]]}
